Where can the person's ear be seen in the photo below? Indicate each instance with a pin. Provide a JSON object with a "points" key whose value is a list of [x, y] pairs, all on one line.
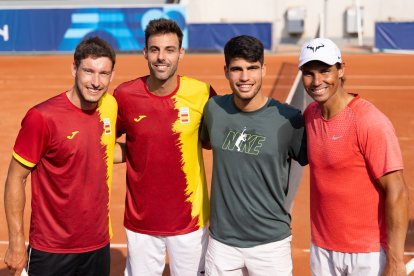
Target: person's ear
{"points": [[182, 52], [73, 69], [145, 53], [226, 71]]}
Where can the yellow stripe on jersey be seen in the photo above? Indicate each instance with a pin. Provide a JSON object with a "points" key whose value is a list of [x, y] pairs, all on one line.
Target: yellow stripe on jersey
{"points": [[189, 101], [23, 161], [107, 110]]}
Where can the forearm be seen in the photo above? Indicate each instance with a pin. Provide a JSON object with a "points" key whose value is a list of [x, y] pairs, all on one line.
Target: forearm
{"points": [[14, 202], [396, 212], [397, 223]]}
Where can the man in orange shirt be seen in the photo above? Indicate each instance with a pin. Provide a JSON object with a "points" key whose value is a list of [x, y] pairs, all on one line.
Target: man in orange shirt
{"points": [[359, 199]]}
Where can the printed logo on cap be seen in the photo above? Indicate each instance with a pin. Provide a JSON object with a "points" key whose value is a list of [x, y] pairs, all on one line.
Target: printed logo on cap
{"points": [[314, 49]]}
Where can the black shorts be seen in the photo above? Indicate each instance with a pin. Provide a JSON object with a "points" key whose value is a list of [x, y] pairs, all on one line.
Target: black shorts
{"points": [[92, 263]]}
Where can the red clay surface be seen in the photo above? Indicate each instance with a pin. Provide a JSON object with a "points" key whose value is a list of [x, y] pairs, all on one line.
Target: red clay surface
{"points": [[385, 80]]}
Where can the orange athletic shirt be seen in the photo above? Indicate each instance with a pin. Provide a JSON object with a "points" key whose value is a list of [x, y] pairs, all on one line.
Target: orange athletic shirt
{"points": [[70, 152], [166, 186], [346, 155]]}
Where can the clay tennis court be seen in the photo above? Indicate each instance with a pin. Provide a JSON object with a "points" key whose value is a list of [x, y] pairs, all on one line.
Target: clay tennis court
{"points": [[385, 80]]}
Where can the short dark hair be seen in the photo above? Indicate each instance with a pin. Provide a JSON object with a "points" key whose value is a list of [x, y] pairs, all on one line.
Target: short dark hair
{"points": [[94, 47], [246, 47], [163, 26]]}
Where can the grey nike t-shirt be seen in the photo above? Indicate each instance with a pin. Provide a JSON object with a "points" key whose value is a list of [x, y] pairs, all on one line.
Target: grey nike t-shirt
{"points": [[251, 161]]}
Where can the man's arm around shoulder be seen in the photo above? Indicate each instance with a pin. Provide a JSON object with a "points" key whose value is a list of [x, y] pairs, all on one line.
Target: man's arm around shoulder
{"points": [[14, 202]]}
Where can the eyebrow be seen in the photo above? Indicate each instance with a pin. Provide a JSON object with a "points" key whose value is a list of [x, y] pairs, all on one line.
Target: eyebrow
{"points": [[89, 69], [240, 67], [166, 47]]}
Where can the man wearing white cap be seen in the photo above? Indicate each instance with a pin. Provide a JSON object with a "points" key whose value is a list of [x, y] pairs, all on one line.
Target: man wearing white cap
{"points": [[359, 199]]}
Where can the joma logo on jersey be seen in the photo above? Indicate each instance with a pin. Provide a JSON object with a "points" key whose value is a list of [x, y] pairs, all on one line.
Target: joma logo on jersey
{"points": [[70, 137], [139, 118], [243, 142]]}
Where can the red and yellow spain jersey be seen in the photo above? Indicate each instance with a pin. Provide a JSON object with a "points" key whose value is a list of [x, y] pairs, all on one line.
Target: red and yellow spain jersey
{"points": [[71, 153], [166, 185]]}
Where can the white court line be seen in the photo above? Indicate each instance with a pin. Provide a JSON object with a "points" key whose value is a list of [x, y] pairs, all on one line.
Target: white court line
{"points": [[405, 253], [113, 245], [410, 266], [382, 87], [349, 87], [219, 77], [118, 245], [289, 76], [123, 245], [380, 77]]}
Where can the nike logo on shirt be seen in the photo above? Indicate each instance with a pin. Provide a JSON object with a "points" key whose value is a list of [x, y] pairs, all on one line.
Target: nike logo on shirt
{"points": [[334, 138]]}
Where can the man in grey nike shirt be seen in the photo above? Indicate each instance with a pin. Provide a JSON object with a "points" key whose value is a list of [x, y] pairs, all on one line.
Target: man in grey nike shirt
{"points": [[253, 138]]}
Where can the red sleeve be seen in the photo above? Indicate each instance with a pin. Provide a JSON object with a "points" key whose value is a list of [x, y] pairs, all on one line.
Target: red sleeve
{"points": [[32, 140], [379, 143]]}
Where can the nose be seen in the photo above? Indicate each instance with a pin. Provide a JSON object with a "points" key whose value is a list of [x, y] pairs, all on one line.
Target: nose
{"points": [[95, 80], [317, 80], [244, 75], [161, 55]]}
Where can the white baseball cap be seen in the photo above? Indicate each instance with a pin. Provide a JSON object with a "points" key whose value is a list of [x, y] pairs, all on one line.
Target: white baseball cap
{"points": [[322, 49]]}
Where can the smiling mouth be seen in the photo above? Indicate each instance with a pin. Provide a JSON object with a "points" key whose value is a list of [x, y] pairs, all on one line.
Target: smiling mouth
{"points": [[318, 91], [245, 87], [161, 66], [94, 90]]}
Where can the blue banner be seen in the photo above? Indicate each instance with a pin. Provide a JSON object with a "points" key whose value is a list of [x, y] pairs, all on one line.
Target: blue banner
{"points": [[63, 29], [214, 36], [394, 35]]}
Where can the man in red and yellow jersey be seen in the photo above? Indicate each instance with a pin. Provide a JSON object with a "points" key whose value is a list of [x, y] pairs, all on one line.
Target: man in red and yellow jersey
{"points": [[67, 145], [166, 200]]}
